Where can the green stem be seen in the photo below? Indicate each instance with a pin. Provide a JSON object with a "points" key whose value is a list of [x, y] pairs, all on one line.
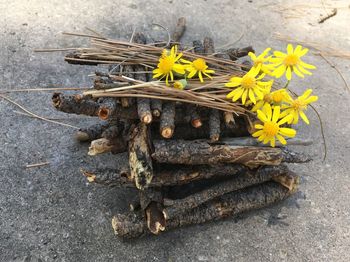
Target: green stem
{"points": [[286, 85]]}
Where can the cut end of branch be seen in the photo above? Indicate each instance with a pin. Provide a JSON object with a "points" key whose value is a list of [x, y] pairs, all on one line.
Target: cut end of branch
{"points": [[155, 219], [196, 123], [147, 118], [82, 136], [167, 132], [103, 113], [89, 176], [99, 146]]}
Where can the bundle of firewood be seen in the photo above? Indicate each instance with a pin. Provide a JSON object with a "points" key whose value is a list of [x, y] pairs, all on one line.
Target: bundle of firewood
{"points": [[190, 163]]}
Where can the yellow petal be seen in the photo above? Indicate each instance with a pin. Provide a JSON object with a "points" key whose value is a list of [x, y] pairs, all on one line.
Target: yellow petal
{"points": [[281, 139], [287, 132], [268, 111], [259, 126], [200, 76], [297, 72], [304, 117], [279, 54], [290, 49], [244, 96], [238, 94], [276, 114], [289, 73], [285, 119], [311, 99], [258, 133], [279, 71], [192, 73], [251, 96], [306, 65], [262, 117], [273, 142]]}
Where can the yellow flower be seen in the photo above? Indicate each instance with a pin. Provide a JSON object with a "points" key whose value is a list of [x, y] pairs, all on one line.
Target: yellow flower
{"points": [[180, 84], [167, 65], [270, 129], [248, 86], [262, 60], [291, 62], [275, 98], [297, 107], [198, 66]]}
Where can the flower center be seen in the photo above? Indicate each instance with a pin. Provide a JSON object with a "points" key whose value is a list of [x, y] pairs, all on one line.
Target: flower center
{"points": [[248, 82], [199, 64], [277, 97], [291, 60], [166, 64], [271, 129], [298, 105]]}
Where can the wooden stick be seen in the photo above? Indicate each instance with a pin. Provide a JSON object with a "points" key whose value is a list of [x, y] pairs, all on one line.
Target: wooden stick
{"points": [[130, 225], [236, 53], [140, 160], [156, 107], [192, 113], [179, 29], [171, 175], [103, 145], [108, 107], [167, 120], [75, 104], [179, 206], [92, 132], [201, 152], [214, 125]]}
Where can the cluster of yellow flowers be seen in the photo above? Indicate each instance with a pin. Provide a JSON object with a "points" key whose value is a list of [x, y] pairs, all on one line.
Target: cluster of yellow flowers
{"points": [[170, 63], [275, 109]]}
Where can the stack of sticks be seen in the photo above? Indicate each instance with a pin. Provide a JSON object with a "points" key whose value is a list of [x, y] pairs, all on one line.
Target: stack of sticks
{"points": [[189, 164]]}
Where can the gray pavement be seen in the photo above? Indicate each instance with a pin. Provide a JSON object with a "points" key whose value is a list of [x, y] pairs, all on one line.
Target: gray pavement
{"points": [[50, 213]]}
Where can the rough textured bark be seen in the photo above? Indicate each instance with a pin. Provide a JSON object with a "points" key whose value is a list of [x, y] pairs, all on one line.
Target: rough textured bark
{"points": [[172, 175], [92, 132], [103, 145], [201, 152], [108, 106], [214, 125], [193, 115], [76, 104], [179, 206], [156, 107], [208, 45], [151, 200], [236, 53], [140, 160], [128, 71], [198, 47], [131, 225], [167, 120], [179, 29]]}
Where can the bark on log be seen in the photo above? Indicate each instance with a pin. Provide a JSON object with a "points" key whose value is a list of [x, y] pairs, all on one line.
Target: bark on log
{"points": [[236, 53], [128, 71], [92, 132], [107, 108], [167, 120], [201, 152], [151, 200], [156, 107], [208, 45], [131, 225], [140, 160], [76, 104], [179, 206], [174, 175], [179, 29], [103, 145], [214, 125], [193, 115], [198, 47]]}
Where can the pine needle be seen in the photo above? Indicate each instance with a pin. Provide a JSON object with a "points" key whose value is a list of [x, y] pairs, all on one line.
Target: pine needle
{"points": [[35, 115]]}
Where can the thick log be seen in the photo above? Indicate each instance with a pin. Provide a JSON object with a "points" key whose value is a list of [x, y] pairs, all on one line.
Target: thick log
{"points": [[179, 206], [76, 104], [198, 47], [172, 175], [131, 225], [167, 120], [140, 160], [199, 152], [92, 132]]}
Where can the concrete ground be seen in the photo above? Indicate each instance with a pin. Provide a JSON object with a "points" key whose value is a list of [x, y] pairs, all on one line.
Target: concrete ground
{"points": [[50, 213]]}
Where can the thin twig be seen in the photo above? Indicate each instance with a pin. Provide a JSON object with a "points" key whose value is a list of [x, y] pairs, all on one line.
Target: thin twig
{"points": [[169, 37], [35, 115], [43, 89], [336, 69], [37, 165]]}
